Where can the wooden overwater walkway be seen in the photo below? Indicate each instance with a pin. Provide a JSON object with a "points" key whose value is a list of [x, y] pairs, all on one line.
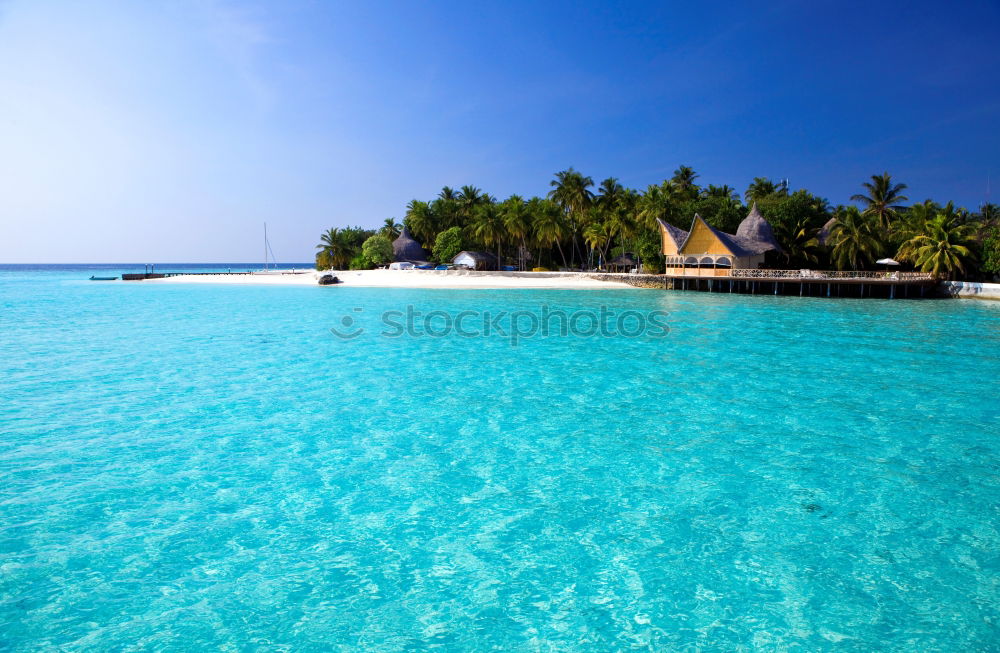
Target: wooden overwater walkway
{"points": [[804, 283], [139, 276]]}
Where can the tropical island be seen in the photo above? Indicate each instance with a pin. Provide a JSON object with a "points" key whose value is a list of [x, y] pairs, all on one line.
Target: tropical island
{"points": [[579, 226]]}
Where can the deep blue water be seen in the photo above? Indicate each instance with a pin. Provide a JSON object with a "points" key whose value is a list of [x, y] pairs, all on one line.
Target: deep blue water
{"points": [[206, 467]]}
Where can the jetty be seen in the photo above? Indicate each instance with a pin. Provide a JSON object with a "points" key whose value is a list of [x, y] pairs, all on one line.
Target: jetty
{"points": [[139, 276], [805, 283]]}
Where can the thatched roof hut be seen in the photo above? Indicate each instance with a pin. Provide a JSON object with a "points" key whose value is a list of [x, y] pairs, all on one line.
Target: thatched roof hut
{"points": [[405, 248], [755, 235], [626, 261], [477, 260], [706, 245]]}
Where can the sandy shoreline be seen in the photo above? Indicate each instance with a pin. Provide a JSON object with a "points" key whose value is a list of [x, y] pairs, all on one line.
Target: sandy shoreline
{"points": [[410, 279]]}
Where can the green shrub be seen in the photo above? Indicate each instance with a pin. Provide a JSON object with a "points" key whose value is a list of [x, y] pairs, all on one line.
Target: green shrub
{"points": [[991, 252], [377, 250], [360, 262], [447, 245]]}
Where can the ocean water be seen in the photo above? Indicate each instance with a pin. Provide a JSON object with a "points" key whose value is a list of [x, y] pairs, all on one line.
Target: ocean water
{"points": [[203, 467]]}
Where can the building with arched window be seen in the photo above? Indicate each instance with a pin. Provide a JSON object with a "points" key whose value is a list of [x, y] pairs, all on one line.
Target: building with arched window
{"points": [[707, 251]]}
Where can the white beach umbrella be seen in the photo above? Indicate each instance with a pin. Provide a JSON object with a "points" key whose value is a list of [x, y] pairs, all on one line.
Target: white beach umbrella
{"points": [[886, 262]]}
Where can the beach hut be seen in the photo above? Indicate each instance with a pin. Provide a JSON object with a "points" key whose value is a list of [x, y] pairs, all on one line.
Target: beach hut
{"points": [[704, 246], [476, 260], [405, 248], [623, 263]]}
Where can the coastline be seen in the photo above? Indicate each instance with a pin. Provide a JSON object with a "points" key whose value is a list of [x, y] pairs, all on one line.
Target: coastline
{"points": [[468, 279], [472, 279]]}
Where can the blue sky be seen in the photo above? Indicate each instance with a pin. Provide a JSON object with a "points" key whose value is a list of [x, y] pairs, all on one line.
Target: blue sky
{"points": [[170, 131]]}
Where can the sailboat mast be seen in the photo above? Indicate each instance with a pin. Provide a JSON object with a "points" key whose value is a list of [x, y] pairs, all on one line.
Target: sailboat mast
{"points": [[265, 247]]}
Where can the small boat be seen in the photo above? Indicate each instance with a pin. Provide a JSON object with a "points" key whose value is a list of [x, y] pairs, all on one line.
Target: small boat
{"points": [[93, 278]]}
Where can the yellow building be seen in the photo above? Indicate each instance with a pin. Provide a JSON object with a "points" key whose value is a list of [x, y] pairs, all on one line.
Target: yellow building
{"points": [[705, 250]]}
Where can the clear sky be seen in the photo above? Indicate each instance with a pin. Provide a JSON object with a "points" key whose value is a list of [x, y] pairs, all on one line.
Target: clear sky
{"points": [[170, 131]]}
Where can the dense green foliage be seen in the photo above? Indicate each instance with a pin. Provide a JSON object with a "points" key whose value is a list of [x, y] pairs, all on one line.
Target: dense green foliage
{"points": [[854, 240], [377, 250], [991, 252], [583, 225], [447, 245], [338, 248]]}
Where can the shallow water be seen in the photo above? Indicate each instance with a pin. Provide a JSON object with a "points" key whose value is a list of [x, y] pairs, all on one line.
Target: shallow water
{"points": [[196, 467]]}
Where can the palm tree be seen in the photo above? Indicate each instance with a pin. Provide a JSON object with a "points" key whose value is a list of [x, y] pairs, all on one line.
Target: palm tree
{"points": [[683, 179], [800, 241], [598, 235], [612, 205], [571, 191], [332, 242], [516, 221], [854, 240], [940, 246], [989, 213], [609, 194], [549, 223], [448, 193], [623, 222], [390, 228], [761, 187], [656, 202], [725, 191], [421, 221], [884, 199], [487, 226], [468, 198]]}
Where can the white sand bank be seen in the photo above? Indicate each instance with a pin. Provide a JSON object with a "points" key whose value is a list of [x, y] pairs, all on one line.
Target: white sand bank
{"points": [[412, 279]]}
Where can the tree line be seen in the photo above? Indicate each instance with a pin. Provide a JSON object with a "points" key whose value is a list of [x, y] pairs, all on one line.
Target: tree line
{"points": [[578, 225]]}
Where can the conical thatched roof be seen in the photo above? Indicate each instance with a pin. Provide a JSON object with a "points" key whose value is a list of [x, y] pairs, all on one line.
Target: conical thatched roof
{"points": [[755, 234], [405, 248]]}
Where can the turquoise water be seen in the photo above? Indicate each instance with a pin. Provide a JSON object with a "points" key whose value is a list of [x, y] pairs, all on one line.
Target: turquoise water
{"points": [[202, 467]]}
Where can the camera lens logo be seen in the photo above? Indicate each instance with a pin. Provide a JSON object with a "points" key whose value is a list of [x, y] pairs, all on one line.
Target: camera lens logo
{"points": [[347, 329]]}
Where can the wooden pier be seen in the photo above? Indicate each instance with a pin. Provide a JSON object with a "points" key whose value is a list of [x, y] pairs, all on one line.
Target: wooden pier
{"points": [[807, 283], [139, 276]]}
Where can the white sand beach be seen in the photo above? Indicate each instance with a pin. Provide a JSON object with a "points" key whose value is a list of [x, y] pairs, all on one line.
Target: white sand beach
{"points": [[412, 279]]}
